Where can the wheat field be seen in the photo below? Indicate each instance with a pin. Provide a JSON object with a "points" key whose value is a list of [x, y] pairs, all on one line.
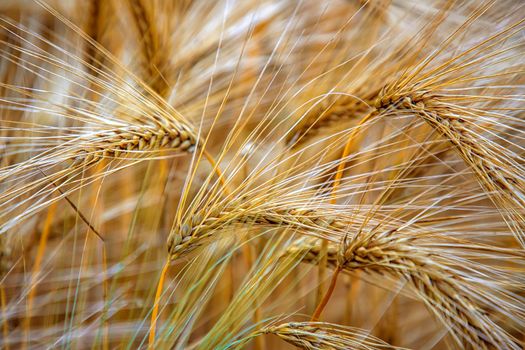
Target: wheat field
{"points": [[262, 174]]}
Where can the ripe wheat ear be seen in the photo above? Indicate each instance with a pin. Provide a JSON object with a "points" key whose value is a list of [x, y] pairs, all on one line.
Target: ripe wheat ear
{"points": [[443, 284]]}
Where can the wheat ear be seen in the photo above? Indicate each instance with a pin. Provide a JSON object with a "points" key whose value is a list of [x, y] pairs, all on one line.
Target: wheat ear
{"points": [[202, 226], [439, 286], [321, 335], [132, 140], [496, 175]]}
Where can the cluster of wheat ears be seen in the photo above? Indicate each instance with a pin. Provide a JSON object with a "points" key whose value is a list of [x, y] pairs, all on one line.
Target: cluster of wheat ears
{"points": [[262, 174]]}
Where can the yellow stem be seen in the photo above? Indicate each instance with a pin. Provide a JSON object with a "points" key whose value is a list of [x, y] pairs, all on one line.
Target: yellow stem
{"points": [[348, 147], [326, 298], [337, 181], [154, 314], [5, 325], [323, 261]]}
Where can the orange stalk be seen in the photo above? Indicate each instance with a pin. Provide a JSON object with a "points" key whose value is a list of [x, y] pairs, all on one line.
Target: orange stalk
{"points": [[318, 311], [5, 326], [154, 314], [324, 245]]}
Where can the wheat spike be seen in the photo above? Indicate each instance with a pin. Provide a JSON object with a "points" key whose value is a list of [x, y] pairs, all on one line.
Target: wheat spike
{"points": [[202, 227], [443, 289], [121, 142], [498, 175], [320, 335]]}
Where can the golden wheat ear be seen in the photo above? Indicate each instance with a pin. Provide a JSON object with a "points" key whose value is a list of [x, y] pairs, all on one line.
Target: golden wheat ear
{"points": [[103, 116], [453, 94], [498, 170], [202, 227], [447, 287], [321, 335], [471, 125]]}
